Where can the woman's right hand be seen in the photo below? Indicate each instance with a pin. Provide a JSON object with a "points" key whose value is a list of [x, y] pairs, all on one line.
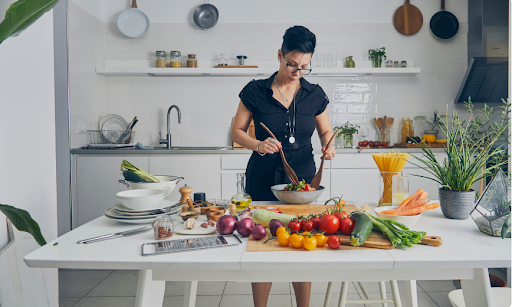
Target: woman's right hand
{"points": [[269, 145]]}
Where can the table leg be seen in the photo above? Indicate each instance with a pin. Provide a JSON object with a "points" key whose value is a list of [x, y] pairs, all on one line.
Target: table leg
{"points": [[477, 291], [150, 293], [411, 293], [189, 300]]}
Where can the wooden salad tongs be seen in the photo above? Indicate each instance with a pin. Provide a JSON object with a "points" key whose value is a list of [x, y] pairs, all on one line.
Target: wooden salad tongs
{"points": [[315, 183], [287, 168]]}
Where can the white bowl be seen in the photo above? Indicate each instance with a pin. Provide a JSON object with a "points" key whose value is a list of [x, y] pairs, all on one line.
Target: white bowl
{"points": [[296, 197], [408, 221], [167, 183], [141, 198]]}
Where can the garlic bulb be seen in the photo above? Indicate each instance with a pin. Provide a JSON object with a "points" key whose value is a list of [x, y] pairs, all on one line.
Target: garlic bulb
{"points": [[190, 224]]}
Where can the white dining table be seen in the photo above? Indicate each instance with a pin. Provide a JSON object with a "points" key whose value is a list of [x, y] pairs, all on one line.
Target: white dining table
{"points": [[466, 254]]}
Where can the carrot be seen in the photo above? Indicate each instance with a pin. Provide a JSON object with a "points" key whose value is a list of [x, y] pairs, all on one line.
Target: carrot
{"points": [[415, 211], [418, 203], [405, 202]]}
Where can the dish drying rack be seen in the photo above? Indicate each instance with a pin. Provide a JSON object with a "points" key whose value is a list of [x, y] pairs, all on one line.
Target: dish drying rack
{"points": [[110, 136], [183, 245]]}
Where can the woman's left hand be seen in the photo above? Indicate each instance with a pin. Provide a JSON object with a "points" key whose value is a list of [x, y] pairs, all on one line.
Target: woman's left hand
{"points": [[329, 152]]}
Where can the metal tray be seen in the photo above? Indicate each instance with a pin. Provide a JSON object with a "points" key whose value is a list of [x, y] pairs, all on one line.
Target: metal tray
{"points": [[183, 245]]}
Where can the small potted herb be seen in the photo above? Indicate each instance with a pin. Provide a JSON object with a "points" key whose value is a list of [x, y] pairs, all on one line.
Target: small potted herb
{"points": [[347, 130], [377, 55], [432, 123]]}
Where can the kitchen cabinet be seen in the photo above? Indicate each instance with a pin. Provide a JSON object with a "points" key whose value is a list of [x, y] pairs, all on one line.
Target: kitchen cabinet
{"points": [[202, 172], [96, 181]]}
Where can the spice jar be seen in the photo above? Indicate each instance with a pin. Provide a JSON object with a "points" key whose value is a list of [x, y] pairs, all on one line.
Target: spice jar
{"points": [[175, 59], [389, 64], [192, 61], [161, 59], [162, 227], [396, 64], [403, 64]]}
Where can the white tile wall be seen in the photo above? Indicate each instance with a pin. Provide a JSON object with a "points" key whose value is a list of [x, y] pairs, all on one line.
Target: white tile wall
{"points": [[208, 103]]}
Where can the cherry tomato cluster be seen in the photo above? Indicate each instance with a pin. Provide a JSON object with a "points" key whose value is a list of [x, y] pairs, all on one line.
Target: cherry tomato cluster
{"points": [[306, 239], [372, 144]]}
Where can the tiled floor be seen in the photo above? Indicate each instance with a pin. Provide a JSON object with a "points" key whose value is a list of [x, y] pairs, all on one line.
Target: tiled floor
{"points": [[92, 288]]}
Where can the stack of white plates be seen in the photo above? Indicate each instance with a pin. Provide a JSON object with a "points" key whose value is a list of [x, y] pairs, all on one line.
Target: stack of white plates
{"points": [[142, 216]]}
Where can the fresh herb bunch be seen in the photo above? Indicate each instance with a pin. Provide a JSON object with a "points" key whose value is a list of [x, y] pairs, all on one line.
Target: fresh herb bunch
{"points": [[133, 173], [347, 128], [467, 159], [432, 122], [373, 53]]}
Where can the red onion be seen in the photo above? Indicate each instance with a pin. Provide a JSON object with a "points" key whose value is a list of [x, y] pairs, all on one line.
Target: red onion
{"points": [[226, 225], [259, 232], [245, 226], [273, 225]]}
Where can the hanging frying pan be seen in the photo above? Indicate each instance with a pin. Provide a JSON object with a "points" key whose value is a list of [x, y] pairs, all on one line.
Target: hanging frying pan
{"points": [[444, 24], [206, 16], [132, 22]]}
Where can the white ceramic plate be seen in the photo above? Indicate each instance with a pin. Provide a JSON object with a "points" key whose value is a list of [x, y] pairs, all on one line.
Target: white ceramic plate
{"points": [[112, 122], [163, 204], [133, 23], [408, 221], [180, 229], [111, 213], [143, 221]]}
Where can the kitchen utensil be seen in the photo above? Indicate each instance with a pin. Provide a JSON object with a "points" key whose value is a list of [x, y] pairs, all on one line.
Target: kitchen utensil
{"points": [[112, 122], [444, 24], [206, 16], [408, 19], [189, 215], [133, 22], [124, 135], [129, 139], [182, 245], [384, 129], [381, 125], [288, 170], [116, 235], [376, 123], [167, 183], [142, 219], [315, 183], [389, 123], [166, 206], [296, 197]]}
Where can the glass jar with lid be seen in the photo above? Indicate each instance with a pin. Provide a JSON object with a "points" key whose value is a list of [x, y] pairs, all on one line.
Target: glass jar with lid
{"points": [[162, 227], [161, 59], [175, 59], [192, 61]]}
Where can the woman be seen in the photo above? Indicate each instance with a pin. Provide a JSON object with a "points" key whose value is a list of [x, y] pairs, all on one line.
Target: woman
{"points": [[291, 108]]}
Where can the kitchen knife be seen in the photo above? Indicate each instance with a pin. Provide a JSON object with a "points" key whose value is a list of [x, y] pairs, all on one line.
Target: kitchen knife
{"points": [[116, 235]]}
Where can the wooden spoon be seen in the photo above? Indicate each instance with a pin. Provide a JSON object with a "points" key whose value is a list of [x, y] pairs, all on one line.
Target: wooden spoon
{"points": [[390, 122], [381, 125], [384, 129], [376, 122], [315, 183], [287, 168]]}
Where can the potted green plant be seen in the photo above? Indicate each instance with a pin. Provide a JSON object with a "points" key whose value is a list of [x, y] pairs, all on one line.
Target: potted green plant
{"points": [[22, 220], [377, 55], [347, 131], [432, 123], [465, 164]]}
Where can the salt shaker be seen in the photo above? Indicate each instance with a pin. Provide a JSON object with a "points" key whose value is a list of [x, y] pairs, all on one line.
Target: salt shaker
{"points": [[162, 227]]}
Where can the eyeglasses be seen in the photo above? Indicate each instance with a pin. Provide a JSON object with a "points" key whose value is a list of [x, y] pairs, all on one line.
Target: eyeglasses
{"points": [[293, 68]]}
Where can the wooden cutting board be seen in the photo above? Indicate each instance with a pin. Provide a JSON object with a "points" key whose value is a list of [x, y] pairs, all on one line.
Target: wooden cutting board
{"points": [[408, 19], [414, 145]]}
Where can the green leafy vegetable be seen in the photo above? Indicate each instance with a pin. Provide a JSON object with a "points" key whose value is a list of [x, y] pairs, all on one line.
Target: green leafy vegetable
{"points": [[128, 167], [398, 233], [22, 220], [296, 187]]}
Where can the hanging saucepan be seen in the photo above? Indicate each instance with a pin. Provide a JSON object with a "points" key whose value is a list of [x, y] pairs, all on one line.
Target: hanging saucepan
{"points": [[132, 22], [444, 24], [206, 16]]}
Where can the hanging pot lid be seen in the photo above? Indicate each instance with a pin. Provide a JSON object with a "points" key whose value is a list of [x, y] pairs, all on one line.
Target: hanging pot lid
{"points": [[206, 16]]}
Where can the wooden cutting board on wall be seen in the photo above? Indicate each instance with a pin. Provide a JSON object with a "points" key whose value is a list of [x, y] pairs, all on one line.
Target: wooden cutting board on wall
{"points": [[250, 131]]}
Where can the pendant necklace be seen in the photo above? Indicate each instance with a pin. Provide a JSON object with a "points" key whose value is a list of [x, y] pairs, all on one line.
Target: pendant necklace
{"points": [[291, 122], [282, 95]]}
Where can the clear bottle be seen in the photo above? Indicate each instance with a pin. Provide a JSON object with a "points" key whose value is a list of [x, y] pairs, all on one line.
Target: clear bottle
{"points": [[161, 59], [175, 59], [192, 61], [162, 227], [241, 199]]}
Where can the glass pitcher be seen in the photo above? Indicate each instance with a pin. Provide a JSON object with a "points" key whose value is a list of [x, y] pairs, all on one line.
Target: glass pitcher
{"points": [[241, 199]]}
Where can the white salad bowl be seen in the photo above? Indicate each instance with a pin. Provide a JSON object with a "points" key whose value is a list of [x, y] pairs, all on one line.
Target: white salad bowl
{"points": [[141, 198], [296, 197], [167, 183], [408, 221]]}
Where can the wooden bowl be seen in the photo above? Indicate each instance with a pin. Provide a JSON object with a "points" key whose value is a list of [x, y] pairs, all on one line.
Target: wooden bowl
{"points": [[218, 209], [205, 210], [189, 214], [215, 216], [196, 208]]}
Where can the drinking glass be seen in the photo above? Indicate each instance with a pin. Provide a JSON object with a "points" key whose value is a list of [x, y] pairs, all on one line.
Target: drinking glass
{"points": [[386, 187], [400, 189], [332, 59], [364, 132]]}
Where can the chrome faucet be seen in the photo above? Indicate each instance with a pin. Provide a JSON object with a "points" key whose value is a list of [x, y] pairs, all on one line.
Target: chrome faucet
{"points": [[167, 139]]}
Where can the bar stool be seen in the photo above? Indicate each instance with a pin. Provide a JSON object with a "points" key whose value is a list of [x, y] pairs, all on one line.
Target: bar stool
{"points": [[344, 289], [500, 297]]}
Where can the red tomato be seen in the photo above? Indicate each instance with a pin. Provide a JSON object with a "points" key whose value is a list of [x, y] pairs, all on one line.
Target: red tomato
{"points": [[306, 225], [370, 143], [340, 215], [294, 226], [346, 226], [360, 144], [316, 221], [365, 143], [333, 242], [329, 224]]}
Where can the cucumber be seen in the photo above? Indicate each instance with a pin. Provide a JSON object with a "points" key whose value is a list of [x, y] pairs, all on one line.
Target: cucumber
{"points": [[263, 217], [362, 229]]}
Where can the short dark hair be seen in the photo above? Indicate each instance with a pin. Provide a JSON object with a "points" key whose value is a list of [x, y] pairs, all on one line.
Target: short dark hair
{"points": [[298, 38]]}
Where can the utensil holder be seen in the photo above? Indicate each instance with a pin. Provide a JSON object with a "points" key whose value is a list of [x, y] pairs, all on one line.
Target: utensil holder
{"points": [[386, 187]]}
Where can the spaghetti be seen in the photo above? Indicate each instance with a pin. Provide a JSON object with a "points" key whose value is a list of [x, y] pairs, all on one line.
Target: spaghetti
{"points": [[389, 164]]}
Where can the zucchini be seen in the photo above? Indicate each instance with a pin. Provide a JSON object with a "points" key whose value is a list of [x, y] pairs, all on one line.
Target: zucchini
{"points": [[362, 229], [263, 217]]}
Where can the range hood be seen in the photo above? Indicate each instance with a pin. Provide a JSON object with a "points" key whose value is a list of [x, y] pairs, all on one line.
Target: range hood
{"points": [[486, 79]]}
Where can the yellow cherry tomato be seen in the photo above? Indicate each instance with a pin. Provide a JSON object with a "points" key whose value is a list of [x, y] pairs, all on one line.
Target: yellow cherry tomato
{"points": [[321, 240], [283, 238], [296, 240], [280, 229], [310, 243], [305, 232]]}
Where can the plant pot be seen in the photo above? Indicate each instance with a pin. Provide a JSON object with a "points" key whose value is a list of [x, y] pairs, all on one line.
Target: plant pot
{"points": [[495, 282], [433, 132], [456, 205], [377, 61], [348, 140]]}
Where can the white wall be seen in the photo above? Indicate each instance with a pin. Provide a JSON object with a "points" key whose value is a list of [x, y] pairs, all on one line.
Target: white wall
{"points": [[27, 125]]}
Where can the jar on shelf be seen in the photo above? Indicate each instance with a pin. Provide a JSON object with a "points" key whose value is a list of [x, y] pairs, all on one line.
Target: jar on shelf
{"points": [[175, 59], [396, 64], [403, 64], [389, 63], [192, 61], [162, 227], [161, 59]]}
